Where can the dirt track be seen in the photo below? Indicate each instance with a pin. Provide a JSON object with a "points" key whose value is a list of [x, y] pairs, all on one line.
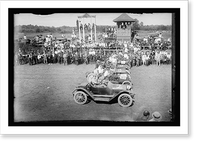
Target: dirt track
{"points": [[44, 92]]}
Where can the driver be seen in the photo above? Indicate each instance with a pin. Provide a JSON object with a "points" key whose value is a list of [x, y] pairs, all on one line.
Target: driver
{"points": [[99, 76], [104, 78], [94, 77], [100, 69]]}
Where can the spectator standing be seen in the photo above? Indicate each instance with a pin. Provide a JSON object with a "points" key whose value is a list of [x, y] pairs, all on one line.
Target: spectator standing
{"points": [[65, 57], [25, 37], [45, 58]]}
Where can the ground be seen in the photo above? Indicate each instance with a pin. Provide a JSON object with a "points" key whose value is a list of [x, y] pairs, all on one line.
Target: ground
{"points": [[44, 92]]}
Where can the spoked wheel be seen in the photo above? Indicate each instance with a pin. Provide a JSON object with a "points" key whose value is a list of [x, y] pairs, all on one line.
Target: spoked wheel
{"points": [[125, 100], [80, 97]]}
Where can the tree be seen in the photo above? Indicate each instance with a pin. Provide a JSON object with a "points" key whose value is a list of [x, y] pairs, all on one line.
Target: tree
{"points": [[141, 23], [59, 29], [135, 25], [38, 29]]}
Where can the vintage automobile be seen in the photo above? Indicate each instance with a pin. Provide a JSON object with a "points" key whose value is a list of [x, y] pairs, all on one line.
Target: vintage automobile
{"points": [[123, 66], [122, 70], [123, 63], [88, 91], [121, 76]]}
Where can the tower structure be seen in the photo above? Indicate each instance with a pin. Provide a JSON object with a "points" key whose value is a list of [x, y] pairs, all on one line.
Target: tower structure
{"points": [[82, 20], [124, 24]]}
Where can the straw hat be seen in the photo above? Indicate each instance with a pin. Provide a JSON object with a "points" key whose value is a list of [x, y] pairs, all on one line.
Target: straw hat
{"points": [[157, 116]]}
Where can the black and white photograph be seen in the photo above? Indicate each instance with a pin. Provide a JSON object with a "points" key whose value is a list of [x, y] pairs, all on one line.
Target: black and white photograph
{"points": [[95, 67]]}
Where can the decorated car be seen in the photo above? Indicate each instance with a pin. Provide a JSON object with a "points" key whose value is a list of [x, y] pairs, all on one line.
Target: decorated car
{"points": [[123, 66], [121, 76], [104, 92]]}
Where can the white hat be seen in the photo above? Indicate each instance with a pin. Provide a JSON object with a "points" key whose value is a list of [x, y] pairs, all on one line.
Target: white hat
{"points": [[157, 116]]}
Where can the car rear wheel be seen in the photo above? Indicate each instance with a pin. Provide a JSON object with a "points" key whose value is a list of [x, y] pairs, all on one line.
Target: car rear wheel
{"points": [[125, 100], [80, 97]]}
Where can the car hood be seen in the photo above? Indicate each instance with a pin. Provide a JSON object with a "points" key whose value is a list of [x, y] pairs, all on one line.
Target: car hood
{"points": [[82, 84]]}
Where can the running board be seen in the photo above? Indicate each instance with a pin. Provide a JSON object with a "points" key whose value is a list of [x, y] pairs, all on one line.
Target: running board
{"points": [[103, 96], [102, 99]]}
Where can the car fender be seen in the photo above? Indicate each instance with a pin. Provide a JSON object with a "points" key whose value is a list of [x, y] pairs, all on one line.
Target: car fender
{"points": [[84, 90], [132, 95]]}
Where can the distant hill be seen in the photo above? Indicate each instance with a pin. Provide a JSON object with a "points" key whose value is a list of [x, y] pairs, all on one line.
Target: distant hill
{"points": [[68, 30], [41, 29]]}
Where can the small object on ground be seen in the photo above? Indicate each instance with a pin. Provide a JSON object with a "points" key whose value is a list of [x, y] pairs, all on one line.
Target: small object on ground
{"points": [[156, 117]]}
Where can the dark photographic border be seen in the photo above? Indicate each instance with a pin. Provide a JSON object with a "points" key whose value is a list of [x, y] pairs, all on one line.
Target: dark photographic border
{"points": [[45, 11]]}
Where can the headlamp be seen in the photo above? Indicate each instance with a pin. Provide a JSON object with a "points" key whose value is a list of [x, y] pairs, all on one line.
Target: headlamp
{"points": [[128, 87]]}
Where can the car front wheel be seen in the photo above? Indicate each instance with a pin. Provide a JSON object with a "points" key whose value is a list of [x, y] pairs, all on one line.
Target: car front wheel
{"points": [[80, 97], [125, 100]]}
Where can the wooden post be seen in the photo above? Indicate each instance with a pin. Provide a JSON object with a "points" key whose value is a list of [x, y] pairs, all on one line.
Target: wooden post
{"points": [[83, 31], [95, 30], [91, 28], [79, 30]]}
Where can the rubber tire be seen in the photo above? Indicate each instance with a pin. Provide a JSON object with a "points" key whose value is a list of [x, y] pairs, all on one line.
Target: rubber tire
{"points": [[125, 105], [85, 97]]}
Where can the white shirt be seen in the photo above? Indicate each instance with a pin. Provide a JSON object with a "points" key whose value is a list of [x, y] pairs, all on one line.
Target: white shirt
{"points": [[39, 56], [47, 39], [96, 71], [125, 45], [126, 56], [126, 50], [106, 73], [45, 44], [61, 46], [100, 69]]}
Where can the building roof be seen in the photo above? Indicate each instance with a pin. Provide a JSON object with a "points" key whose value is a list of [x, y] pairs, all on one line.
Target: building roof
{"points": [[124, 18], [86, 15]]}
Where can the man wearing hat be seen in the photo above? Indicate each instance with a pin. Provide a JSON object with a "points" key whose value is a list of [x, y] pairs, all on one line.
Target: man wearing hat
{"points": [[156, 117], [144, 116], [97, 64]]}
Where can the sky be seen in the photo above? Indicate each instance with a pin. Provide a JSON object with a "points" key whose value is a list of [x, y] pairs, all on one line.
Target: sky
{"points": [[69, 19]]}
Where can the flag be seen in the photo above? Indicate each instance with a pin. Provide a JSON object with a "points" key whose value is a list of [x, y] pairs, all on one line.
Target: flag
{"points": [[93, 26], [77, 24], [81, 26], [89, 27], [85, 26]]}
